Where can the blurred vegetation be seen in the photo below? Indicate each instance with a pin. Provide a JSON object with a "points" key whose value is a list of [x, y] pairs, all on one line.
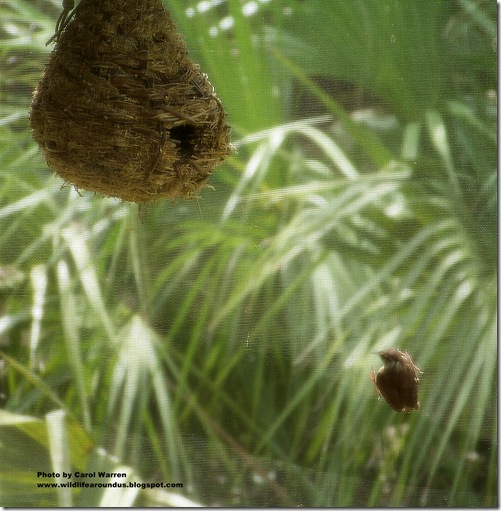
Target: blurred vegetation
{"points": [[226, 343]]}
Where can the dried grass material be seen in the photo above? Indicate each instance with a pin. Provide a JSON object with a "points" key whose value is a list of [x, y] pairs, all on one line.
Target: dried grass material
{"points": [[122, 110]]}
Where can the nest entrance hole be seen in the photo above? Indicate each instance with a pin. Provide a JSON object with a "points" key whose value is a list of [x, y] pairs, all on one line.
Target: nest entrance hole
{"points": [[185, 135]]}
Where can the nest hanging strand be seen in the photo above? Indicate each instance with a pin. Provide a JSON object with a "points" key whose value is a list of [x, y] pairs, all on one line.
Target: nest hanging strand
{"points": [[122, 110]]}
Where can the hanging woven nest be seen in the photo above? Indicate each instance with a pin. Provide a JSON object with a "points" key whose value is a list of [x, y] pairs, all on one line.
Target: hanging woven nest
{"points": [[122, 110]]}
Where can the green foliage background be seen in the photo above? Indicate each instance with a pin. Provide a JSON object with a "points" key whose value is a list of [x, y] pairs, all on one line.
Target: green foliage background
{"points": [[226, 343]]}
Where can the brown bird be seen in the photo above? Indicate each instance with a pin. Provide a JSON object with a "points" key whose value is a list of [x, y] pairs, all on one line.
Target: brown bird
{"points": [[397, 381]]}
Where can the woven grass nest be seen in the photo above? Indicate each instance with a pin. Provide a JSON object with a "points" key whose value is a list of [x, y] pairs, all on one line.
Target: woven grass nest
{"points": [[122, 110]]}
